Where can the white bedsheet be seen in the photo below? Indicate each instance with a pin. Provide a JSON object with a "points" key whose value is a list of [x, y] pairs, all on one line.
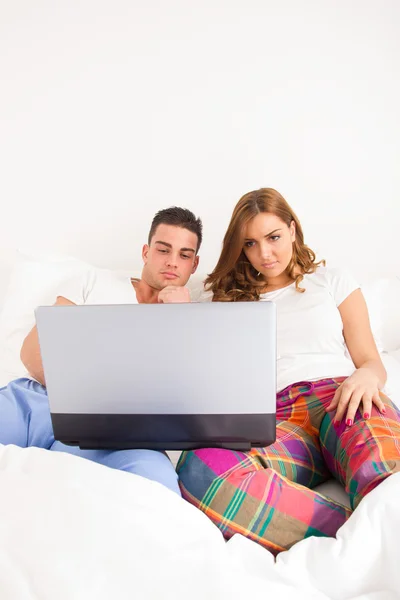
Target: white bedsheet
{"points": [[72, 529]]}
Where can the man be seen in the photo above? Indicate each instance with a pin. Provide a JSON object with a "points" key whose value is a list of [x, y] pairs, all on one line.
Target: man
{"points": [[170, 257]]}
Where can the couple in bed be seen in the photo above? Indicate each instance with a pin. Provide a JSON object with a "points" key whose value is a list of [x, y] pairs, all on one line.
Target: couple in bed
{"points": [[332, 417]]}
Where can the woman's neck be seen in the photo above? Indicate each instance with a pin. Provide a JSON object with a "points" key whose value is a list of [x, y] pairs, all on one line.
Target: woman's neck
{"points": [[284, 280]]}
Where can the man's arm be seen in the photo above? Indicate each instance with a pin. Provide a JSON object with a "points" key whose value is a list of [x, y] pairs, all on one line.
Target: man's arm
{"points": [[30, 351]]}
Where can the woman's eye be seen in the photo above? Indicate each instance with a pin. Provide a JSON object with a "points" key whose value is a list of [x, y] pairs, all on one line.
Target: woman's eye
{"points": [[248, 244], [275, 238]]}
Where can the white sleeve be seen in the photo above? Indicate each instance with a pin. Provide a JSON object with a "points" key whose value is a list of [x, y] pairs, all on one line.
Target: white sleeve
{"points": [[342, 284], [77, 288], [206, 296]]}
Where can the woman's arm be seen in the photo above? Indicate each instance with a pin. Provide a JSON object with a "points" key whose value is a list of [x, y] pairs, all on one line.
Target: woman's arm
{"points": [[358, 335], [370, 375], [30, 351]]}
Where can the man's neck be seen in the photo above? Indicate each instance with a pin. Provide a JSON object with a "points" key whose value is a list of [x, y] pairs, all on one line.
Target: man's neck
{"points": [[145, 294]]}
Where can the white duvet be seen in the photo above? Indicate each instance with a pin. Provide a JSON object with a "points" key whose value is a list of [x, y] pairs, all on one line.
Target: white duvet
{"points": [[73, 529]]}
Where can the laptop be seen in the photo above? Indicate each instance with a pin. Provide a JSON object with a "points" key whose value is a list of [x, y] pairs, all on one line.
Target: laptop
{"points": [[161, 376]]}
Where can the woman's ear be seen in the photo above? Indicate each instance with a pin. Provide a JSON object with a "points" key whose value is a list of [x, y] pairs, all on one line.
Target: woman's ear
{"points": [[292, 229]]}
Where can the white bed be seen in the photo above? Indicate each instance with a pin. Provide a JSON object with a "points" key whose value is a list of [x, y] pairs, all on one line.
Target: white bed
{"points": [[71, 529]]}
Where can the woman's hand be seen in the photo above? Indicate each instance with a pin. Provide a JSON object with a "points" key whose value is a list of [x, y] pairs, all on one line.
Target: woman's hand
{"points": [[361, 387]]}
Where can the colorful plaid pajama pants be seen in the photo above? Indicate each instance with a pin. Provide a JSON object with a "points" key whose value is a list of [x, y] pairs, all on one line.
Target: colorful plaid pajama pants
{"points": [[266, 494]]}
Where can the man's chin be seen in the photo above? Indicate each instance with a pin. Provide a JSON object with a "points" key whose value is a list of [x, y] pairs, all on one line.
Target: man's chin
{"points": [[166, 282]]}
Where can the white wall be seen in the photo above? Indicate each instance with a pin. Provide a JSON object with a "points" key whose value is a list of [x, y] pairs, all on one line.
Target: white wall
{"points": [[112, 109]]}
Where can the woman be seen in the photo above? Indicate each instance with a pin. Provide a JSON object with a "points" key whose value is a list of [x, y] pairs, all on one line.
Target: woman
{"points": [[332, 418]]}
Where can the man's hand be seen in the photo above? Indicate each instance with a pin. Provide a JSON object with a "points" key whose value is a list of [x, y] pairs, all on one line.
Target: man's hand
{"points": [[173, 293]]}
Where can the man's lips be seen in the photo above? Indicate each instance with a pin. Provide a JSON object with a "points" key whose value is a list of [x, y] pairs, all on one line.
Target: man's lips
{"points": [[169, 275]]}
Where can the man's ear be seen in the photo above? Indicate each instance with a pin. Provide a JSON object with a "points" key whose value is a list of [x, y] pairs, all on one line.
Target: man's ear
{"points": [[145, 252], [195, 264]]}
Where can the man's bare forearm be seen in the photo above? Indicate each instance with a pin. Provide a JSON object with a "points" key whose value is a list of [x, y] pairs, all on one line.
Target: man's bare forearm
{"points": [[30, 351], [31, 357]]}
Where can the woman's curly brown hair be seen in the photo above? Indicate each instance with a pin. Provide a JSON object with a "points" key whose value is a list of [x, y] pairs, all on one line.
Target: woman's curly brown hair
{"points": [[234, 279]]}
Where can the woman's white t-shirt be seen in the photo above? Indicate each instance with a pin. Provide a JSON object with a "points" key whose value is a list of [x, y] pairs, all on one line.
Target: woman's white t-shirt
{"points": [[310, 342]]}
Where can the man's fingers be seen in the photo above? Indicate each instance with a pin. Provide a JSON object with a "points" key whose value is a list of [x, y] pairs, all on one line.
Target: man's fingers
{"points": [[174, 294], [166, 292]]}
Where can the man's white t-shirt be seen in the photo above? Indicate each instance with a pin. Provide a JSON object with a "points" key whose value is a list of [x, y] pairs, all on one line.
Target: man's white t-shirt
{"points": [[310, 342], [99, 286], [96, 286]]}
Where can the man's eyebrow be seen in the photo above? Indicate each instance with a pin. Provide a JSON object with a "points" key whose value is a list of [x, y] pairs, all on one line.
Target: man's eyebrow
{"points": [[268, 234], [170, 246]]}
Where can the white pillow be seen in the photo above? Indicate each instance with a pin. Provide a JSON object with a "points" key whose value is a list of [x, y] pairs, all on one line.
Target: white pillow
{"points": [[391, 315], [396, 354], [391, 363], [383, 301], [33, 282]]}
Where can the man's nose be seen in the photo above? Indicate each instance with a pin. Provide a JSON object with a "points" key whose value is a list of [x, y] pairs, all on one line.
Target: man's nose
{"points": [[172, 260]]}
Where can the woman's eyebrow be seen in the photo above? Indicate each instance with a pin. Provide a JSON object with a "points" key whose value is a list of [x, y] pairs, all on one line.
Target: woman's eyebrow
{"points": [[267, 235]]}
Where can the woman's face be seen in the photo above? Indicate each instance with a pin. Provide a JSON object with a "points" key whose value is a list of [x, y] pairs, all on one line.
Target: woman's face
{"points": [[268, 246]]}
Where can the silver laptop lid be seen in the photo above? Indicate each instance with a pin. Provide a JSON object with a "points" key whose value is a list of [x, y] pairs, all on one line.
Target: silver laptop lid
{"points": [[198, 358]]}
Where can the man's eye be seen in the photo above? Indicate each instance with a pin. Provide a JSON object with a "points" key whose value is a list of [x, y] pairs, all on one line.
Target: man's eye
{"points": [[163, 251], [249, 244], [185, 256]]}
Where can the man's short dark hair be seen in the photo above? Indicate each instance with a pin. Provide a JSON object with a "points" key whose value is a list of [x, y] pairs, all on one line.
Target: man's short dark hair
{"points": [[179, 217]]}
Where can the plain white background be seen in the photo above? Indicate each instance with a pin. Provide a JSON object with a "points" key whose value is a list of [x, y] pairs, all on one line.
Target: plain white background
{"points": [[113, 109]]}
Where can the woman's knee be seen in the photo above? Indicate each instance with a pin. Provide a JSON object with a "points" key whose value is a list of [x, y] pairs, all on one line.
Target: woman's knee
{"points": [[198, 469]]}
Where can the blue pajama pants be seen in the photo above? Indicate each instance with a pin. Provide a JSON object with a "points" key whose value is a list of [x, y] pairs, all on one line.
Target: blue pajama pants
{"points": [[25, 421]]}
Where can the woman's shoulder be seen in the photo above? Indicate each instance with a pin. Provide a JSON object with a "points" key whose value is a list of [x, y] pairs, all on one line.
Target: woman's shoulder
{"points": [[329, 275], [338, 281]]}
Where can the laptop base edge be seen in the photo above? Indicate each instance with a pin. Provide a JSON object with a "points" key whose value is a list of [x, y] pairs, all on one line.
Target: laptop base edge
{"points": [[165, 432]]}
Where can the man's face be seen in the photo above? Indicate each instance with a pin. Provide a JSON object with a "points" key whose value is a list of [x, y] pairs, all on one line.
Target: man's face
{"points": [[170, 259]]}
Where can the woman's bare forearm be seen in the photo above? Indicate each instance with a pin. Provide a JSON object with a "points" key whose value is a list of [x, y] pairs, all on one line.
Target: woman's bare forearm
{"points": [[377, 367]]}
